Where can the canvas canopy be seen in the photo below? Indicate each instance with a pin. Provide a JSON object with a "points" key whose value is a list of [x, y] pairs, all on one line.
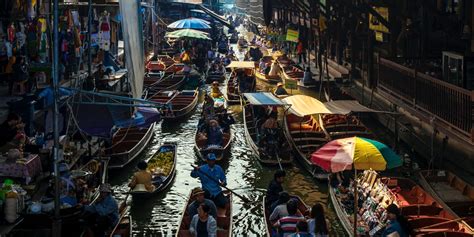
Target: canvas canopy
{"points": [[241, 64], [303, 105], [263, 98]]}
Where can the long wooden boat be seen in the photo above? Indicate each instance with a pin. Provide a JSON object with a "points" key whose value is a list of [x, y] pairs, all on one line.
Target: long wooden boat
{"points": [[264, 77], [306, 136], [171, 82], [224, 219], [233, 92], [162, 165], [200, 145], [417, 205], [127, 144], [252, 128], [342, 126], [212, 75], [124, 225], [176, 104], [302, 208], [453, 193]]}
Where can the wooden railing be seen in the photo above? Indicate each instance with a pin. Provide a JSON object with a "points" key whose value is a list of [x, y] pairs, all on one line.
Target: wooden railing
{"points": [[445, 102]]}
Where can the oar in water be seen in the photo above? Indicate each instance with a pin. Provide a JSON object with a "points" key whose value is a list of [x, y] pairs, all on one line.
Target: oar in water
{"points": [[222, 185]]}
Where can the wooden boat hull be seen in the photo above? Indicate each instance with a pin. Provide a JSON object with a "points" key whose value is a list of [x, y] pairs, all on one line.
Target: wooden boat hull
{"points": [[304, 143], [219, 77], [233, 94], [170, 177], [170, 82], [417, 205], [250, 137], [130, 149], [267, 78], [224, 220], [454, 194], [124, 224], [302, 208], [183, 105]]}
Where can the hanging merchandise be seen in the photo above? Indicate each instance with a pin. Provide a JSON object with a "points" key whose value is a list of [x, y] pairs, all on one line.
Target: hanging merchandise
{"points": [[21, 36], [42, 25], [104, 32], [32, 9], [11, 32]]}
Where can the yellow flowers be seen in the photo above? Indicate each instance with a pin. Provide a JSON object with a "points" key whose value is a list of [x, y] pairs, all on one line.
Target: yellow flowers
{"points": [[161, 163]]}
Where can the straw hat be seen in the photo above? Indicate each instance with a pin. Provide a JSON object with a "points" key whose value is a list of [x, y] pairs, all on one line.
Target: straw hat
{"points": [[197, 191], [279, 84]]}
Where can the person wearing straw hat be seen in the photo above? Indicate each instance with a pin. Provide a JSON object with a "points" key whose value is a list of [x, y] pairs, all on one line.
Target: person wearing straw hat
{"points": [[198, 195], [104, 212], [212, 176], [280, 90]]}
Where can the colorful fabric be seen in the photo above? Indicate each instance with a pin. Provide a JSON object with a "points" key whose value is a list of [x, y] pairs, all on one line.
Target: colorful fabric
{"points": [[28, 170], [362, 153], [288, 224]]}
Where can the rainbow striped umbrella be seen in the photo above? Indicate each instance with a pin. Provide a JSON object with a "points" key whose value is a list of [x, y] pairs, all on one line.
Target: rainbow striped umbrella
{"points": [[360, 153]]}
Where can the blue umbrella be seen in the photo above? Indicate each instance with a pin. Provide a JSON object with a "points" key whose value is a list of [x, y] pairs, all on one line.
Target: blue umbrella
{"points": [[190, 23]]}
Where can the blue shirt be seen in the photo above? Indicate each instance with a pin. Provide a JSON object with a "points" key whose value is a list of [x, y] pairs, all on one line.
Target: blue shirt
{"points": [[394, 226], [107, 207], [207, 184]]}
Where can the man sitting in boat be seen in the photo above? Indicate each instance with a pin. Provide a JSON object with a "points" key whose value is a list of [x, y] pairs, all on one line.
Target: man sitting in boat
{"points": [[287, 224], [198, 195], [269, 133], [142, 180], [202, 223], [278, 208], [280, 90], [215, 91], [275, 188], [212, 176], [397, 224], [214, 134], [104, 213]]}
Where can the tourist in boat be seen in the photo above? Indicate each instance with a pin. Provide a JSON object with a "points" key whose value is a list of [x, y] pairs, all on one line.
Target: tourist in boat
{"points": [[287, 224], [215, 91], [275, 188], [302, 230], [279, 208], [214, 134], [198, 195], [396, 223], [104, 213], [317, 223], [142, 179], [203, 224], [211, 187], [280, 90]]}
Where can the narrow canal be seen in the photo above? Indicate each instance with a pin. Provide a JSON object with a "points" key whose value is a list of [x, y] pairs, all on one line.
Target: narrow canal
{"points": [[161, 214]]}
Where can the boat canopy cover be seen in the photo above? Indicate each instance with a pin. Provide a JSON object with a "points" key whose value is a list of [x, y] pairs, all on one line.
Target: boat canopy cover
{"points": [[216, 16], [303, 105], [263, 98], [241, 64]]}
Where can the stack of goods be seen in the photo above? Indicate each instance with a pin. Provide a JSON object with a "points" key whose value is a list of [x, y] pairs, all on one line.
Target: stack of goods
{"points": [[161, 163]]}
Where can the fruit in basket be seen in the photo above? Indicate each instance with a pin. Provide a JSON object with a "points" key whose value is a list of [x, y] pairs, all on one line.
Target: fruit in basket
{"points": [[161, 163]]}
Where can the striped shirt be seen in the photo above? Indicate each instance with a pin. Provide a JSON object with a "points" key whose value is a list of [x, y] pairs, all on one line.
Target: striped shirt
{"points": [[288, 224]]}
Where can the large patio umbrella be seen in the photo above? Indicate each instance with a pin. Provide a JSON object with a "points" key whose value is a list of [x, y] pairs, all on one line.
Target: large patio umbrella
{"points": [[188, 33], [358, 154], [190, 23]]}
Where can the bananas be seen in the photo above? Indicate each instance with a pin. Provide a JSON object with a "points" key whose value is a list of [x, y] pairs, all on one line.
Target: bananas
{"points": [[161, 163]]}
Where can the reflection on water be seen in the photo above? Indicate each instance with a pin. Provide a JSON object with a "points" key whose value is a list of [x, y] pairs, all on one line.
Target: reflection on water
{"points": [[160, 214]]}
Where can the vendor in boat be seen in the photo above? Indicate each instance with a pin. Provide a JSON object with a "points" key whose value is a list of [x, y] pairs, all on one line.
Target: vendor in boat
{"points": [[396, 223], [215, 91], [214, 134], [104, 213], [275, 187], [198, 195], [280, 90], [142, 179], [212, 177], [203, 224]]}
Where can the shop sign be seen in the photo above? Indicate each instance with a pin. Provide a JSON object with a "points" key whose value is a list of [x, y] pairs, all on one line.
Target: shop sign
{"points": [[374, 23], [292, 35]]}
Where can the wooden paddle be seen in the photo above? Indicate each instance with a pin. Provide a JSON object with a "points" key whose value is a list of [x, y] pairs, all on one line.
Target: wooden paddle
{"points": [[222, 185]]}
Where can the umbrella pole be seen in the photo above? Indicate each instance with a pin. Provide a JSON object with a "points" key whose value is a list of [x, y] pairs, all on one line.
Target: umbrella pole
{"points": [[356, 199]]}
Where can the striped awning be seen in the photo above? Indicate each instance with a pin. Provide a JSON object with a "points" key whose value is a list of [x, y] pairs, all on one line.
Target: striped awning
{"points": [[263, 98]]}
